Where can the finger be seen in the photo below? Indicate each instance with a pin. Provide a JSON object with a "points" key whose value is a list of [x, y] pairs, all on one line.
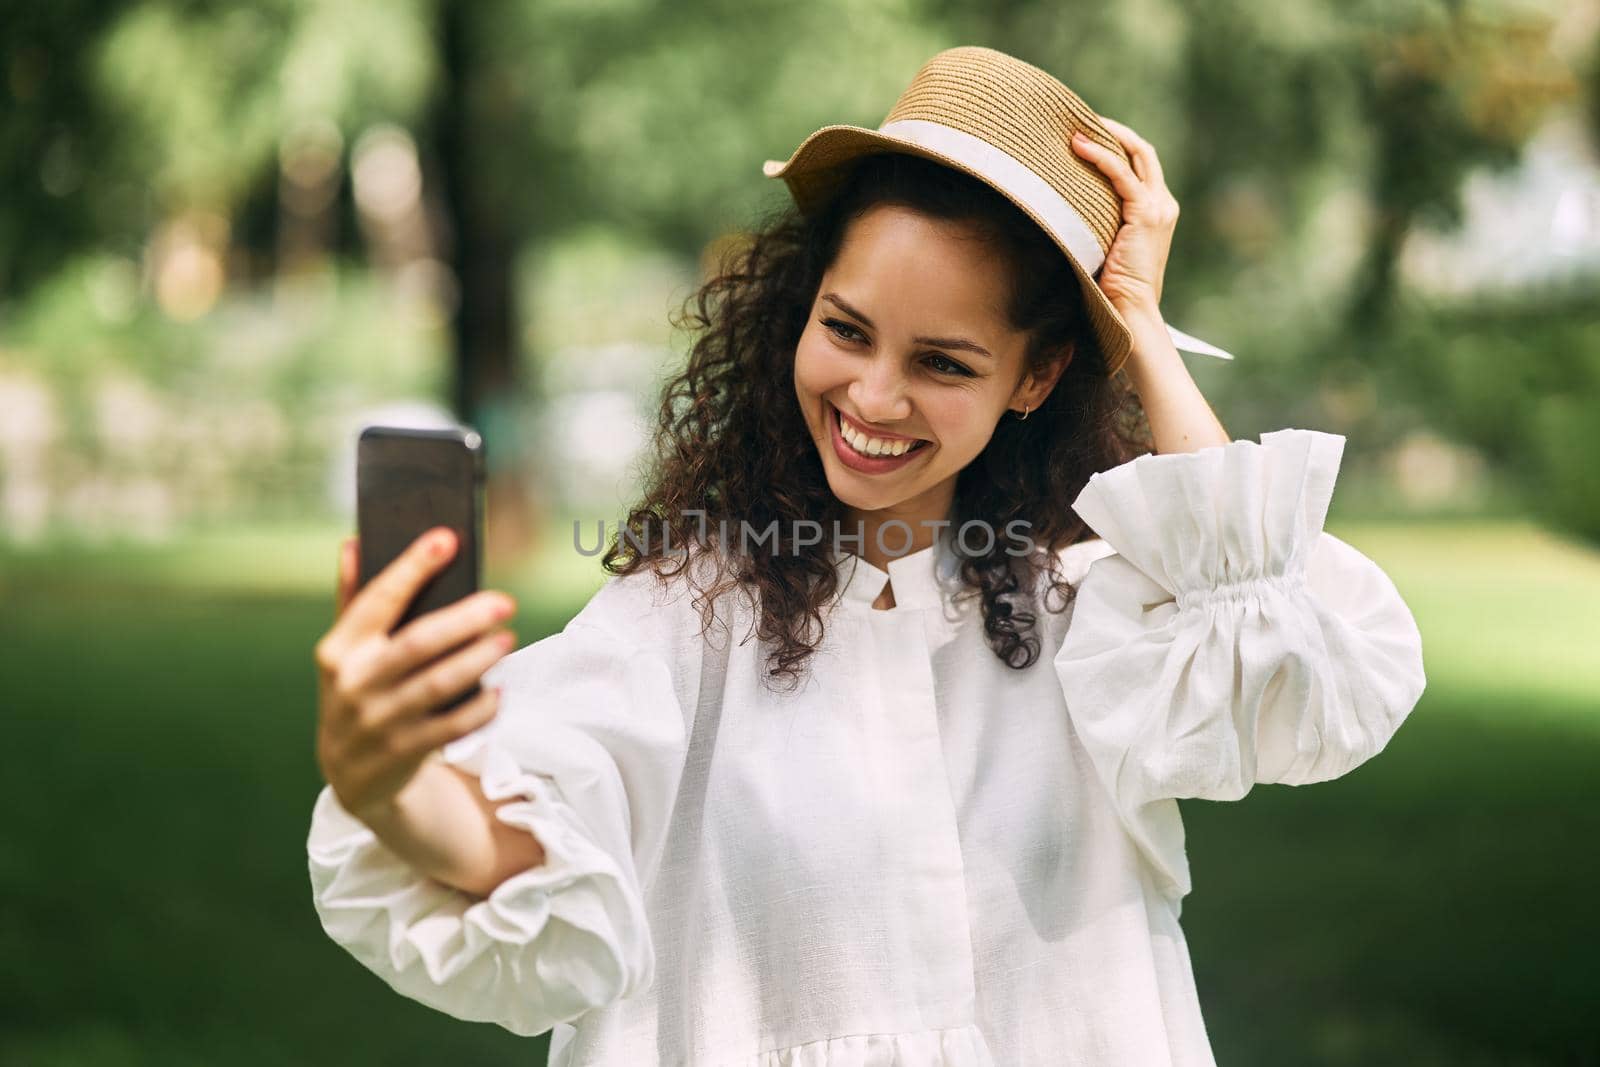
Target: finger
{"points": [[437, 685], [349, 564], [349, 672], [381, 602], [1116, 169], [427, 638], [1143, 154], [439, 730], [1124, 133]]}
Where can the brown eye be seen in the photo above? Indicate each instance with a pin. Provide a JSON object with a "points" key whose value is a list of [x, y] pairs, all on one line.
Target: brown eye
{"points": [[955, 368], [838, 329]]}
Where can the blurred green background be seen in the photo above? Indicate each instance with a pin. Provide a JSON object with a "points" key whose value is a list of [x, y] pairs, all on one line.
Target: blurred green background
{"points": [[232, 234]]}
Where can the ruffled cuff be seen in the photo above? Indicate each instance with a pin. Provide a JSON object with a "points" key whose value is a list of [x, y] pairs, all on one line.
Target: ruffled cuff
{"points": [[1213, 523], [547, 945], [1229, 641]]}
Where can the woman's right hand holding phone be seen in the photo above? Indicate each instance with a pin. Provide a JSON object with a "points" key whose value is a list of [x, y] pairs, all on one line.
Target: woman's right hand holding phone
{"points": [[378, 693]]}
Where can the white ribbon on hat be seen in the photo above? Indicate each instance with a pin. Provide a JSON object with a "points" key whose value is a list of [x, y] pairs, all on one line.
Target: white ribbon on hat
{"points": [[1014, 176]]}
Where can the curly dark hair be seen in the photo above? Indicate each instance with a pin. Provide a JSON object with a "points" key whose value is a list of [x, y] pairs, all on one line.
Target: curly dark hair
{"points": [[729, 423]]}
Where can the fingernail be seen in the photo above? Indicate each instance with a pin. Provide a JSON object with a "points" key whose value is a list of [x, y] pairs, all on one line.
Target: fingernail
{"points": [[441, 542]]}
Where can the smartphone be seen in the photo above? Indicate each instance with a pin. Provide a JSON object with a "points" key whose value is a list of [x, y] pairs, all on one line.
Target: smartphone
{"points": [[407, 482]]}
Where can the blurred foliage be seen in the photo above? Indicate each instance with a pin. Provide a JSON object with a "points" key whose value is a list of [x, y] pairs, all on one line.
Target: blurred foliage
{"points": [[231, 416], [1306, 141], [250, 75], [121, 114], [1522, 381]]}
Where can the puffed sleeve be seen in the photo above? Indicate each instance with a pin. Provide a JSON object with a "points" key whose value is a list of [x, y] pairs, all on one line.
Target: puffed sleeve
{"points": [[590, 742], [1229, 640]]}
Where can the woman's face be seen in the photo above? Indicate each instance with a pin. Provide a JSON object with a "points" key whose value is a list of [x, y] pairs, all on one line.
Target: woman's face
{"points": [[908, 339]]}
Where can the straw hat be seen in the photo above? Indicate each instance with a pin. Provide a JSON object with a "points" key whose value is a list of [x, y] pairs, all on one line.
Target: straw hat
{"points": [[1010, 125]]}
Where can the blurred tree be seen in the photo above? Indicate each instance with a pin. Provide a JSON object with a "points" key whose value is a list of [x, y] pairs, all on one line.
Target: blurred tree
{"points": [[64, 187], [218, 102], [1305, 142], [1450, 88], [475, 138], [471, 119]]}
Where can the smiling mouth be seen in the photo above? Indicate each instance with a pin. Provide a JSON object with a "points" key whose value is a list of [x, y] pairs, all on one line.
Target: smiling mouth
{"points": [[838, 418]]}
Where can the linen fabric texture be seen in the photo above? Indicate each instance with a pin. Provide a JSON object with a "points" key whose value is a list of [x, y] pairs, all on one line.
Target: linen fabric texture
{"points": [[921, 857]]}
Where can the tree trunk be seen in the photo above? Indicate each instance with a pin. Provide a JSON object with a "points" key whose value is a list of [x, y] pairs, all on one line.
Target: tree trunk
{"points": [[480, 248]]}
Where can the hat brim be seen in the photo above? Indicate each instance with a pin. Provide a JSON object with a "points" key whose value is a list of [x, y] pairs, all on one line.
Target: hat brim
{"points": [[816, 167]]}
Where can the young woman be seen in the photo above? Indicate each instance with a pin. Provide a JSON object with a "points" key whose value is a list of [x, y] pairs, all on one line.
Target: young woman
{"points": [[780, 799]]}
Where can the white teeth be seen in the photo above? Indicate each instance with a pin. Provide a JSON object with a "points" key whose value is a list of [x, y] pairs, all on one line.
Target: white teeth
{"points": [[872, 446]]}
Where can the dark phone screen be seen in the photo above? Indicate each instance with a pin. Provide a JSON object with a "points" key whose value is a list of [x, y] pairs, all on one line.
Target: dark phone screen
{"points": [[409, 481]]}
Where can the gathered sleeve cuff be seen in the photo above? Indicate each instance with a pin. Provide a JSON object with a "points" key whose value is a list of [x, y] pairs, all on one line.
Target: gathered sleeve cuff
{"points": [[1230, 640], [588, 747]]}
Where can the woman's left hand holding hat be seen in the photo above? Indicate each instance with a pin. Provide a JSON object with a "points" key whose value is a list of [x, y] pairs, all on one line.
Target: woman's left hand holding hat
{"points": [[1137, 261]]}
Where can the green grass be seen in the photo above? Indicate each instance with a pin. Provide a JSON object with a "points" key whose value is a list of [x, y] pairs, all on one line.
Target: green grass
{"points": [[1504, 608], [1430, 908]]}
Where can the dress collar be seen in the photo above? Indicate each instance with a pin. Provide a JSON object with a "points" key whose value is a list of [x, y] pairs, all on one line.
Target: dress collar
{"points": [[923, 579]]}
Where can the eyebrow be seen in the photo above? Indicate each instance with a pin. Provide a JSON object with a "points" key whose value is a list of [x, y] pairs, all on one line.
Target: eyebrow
{"points": [[936, 342]]}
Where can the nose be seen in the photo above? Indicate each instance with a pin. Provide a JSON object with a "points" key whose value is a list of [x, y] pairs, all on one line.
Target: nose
{"points": [[879, 394]]}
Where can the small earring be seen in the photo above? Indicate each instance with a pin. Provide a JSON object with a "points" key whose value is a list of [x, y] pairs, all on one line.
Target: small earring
{"points": [[1025, 409]]}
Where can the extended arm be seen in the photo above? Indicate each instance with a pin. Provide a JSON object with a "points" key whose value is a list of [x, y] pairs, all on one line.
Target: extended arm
{"points": [[443, 825]]}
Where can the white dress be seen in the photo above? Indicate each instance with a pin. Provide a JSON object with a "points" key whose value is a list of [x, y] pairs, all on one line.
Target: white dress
{"points": [[922, 858]]}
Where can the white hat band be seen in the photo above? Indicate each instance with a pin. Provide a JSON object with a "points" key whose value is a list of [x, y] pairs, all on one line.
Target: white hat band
{"points": [[1012, 175]]}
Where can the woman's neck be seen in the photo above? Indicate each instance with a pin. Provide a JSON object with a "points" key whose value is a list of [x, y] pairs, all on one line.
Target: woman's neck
{"points": [[893, 533]]}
